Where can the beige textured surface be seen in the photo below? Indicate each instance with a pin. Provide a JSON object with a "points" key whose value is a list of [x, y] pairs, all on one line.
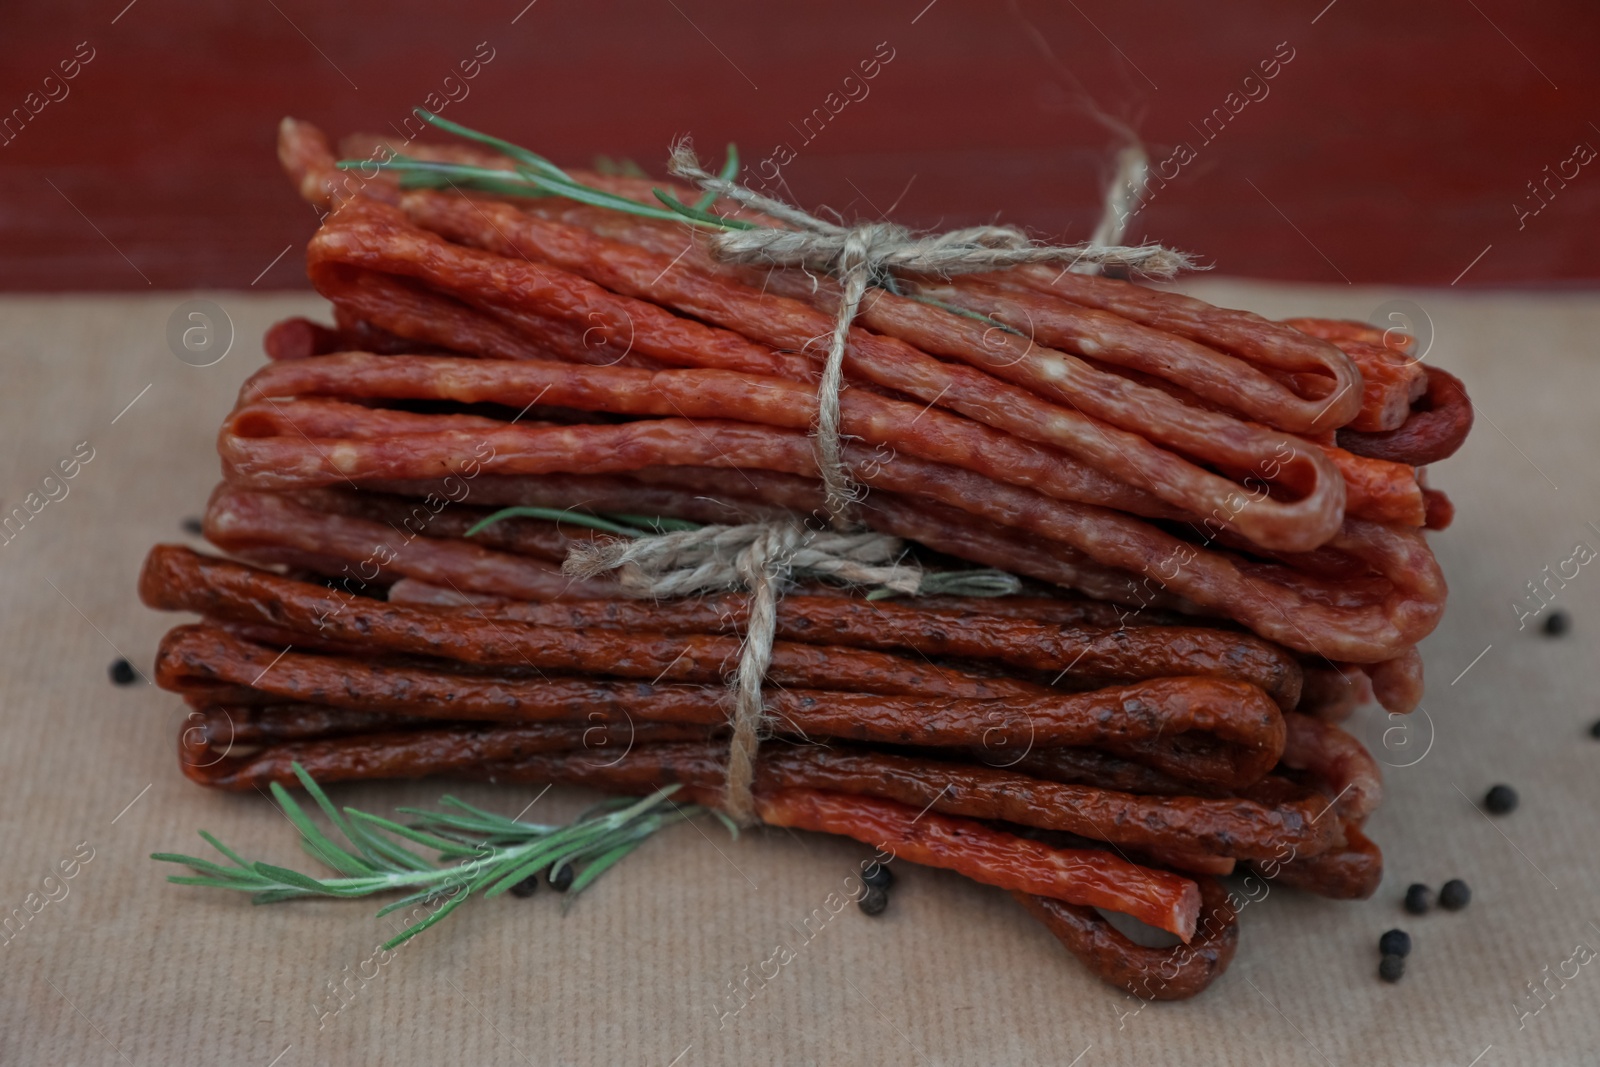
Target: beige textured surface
{"points": [[128, 969]]}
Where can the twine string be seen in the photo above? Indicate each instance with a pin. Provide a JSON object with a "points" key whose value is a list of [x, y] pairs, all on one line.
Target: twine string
{"points": [[765, 558]]}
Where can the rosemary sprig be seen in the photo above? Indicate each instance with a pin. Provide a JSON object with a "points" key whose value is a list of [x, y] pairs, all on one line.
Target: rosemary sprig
{"points": [[535, 175], [482, 852]]}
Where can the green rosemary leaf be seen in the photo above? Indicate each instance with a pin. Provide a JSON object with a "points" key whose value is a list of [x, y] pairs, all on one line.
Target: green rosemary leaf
{"points": [[213, 869], [980, 582], [992, 323], [319, 844], [595, 868], [218, 883], [581, 853], [500, 870], [602, 807], [698, 214], [727, 821], [409, 899], [600, 198], [349, 863], [644, 805], [416, 928], [477, 840], [584, 837], [396, 854], [655, 523], [457, 825], [512, 182], [297, 880], [730, 163], [445, 831], [464, 846], [730, 171], [496, 870], [602, 834], [577, 518], [338, 859], [314, 791], [508, 825], [419, 836], [510, 875], [424, 174], [225, 850], [505, 148], [472, 809]]}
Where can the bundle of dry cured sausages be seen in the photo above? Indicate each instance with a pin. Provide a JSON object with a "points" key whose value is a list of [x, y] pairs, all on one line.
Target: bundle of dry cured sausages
{"points": [[1218, 520]]}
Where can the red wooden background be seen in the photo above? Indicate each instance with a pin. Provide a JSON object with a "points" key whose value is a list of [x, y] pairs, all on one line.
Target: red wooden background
{"points": [[1394, 146]]}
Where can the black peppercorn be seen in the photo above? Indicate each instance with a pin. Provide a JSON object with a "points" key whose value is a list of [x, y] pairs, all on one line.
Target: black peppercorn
{"points": [[560, 877], [1392, 968], [1395, 943], [192, 526], [1594, 730], [122, 672], [526, 887], [1419, 898], [1500, 800], [877, 875], [1557, 623], [1454, 895], [873, 901]]}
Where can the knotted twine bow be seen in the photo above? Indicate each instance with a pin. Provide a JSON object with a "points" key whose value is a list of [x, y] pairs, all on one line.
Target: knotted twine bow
{"points": [[764, 558]]}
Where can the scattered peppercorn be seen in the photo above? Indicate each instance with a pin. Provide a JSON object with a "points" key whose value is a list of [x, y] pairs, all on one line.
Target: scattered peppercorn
{"points": [[873, 901], [561, 877], [877, 875], [1419, 898], [1557, 623], [192, 526], [1392, 968], [1454, 895], [1395, 943], [122, 672], [526, 887], [1594, 731], [1500, 800]]}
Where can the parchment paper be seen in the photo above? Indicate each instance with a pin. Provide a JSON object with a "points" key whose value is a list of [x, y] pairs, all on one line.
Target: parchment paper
{"points": [[124, 968]]}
